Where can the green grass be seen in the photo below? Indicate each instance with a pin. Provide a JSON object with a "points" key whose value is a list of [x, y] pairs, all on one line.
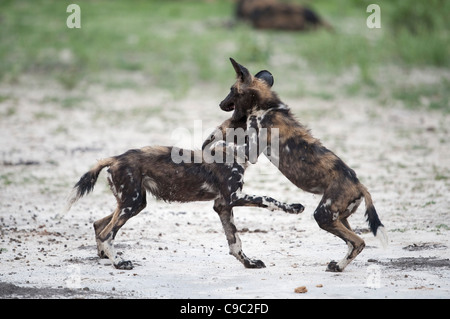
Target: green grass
{"points": [[431, 96], [177, 45]]}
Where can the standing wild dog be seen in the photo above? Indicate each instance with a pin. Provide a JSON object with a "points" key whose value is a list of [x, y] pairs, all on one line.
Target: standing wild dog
{"points": [[153, 169], [302, 159]]}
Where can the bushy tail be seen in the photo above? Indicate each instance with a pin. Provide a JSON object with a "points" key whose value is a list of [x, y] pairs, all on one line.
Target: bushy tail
{"points": [[375, 224], [87, 182]]}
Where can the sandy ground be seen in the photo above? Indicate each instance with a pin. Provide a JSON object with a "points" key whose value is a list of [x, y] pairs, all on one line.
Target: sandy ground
{"points": [[49, 137]]}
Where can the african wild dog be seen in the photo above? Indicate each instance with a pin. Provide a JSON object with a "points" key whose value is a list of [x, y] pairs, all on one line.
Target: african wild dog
{"points": [[153, 169], [302, 159], [278, 15]]}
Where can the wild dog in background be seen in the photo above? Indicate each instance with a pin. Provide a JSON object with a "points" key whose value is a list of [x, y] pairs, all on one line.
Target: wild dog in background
{"points": [[302, 159], [153, 169], [278, 15]]}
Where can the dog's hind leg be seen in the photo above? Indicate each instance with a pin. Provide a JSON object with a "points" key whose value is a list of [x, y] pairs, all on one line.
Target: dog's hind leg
{"points": [[99, 225], [106, 236], [329, 220], [355, 246], [131, 199], [234, 242]]}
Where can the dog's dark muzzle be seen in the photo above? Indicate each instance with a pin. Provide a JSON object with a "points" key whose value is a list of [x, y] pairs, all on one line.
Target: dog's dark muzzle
{"points": [[227, 104]]}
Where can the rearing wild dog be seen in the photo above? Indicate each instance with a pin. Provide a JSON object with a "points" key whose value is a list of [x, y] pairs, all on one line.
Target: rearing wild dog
{"points": [[170, 176], [301, 158]]}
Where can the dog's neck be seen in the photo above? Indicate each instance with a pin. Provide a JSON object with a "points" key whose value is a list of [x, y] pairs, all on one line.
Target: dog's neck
{"points": [[241, 120], [280, 106]]}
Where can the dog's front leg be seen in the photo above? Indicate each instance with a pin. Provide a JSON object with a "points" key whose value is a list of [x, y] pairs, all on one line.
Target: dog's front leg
{"points": [[241, 199], [234, 242]]}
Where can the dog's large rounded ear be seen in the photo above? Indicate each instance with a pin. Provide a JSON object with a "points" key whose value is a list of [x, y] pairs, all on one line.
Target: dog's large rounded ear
{"points": [[241, 71], [266, 76]]}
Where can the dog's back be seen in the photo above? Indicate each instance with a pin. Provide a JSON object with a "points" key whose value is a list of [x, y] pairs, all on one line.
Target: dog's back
{"points": [[306, 162], [154, 168]]}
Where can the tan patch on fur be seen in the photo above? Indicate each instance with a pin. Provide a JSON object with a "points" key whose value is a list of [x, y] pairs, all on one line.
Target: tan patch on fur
{"points": [[256, 84], [262, 88], [105, 162], [240, 87], [155, 150]]}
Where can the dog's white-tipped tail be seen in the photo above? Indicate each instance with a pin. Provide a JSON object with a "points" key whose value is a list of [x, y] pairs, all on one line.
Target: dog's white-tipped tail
{"points": [[85, 185], [71, 199], [382, 236], [375, 224]]}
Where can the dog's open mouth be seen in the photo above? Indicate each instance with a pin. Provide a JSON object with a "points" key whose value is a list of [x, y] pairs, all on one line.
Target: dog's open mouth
{"points": [[228, 107]]}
